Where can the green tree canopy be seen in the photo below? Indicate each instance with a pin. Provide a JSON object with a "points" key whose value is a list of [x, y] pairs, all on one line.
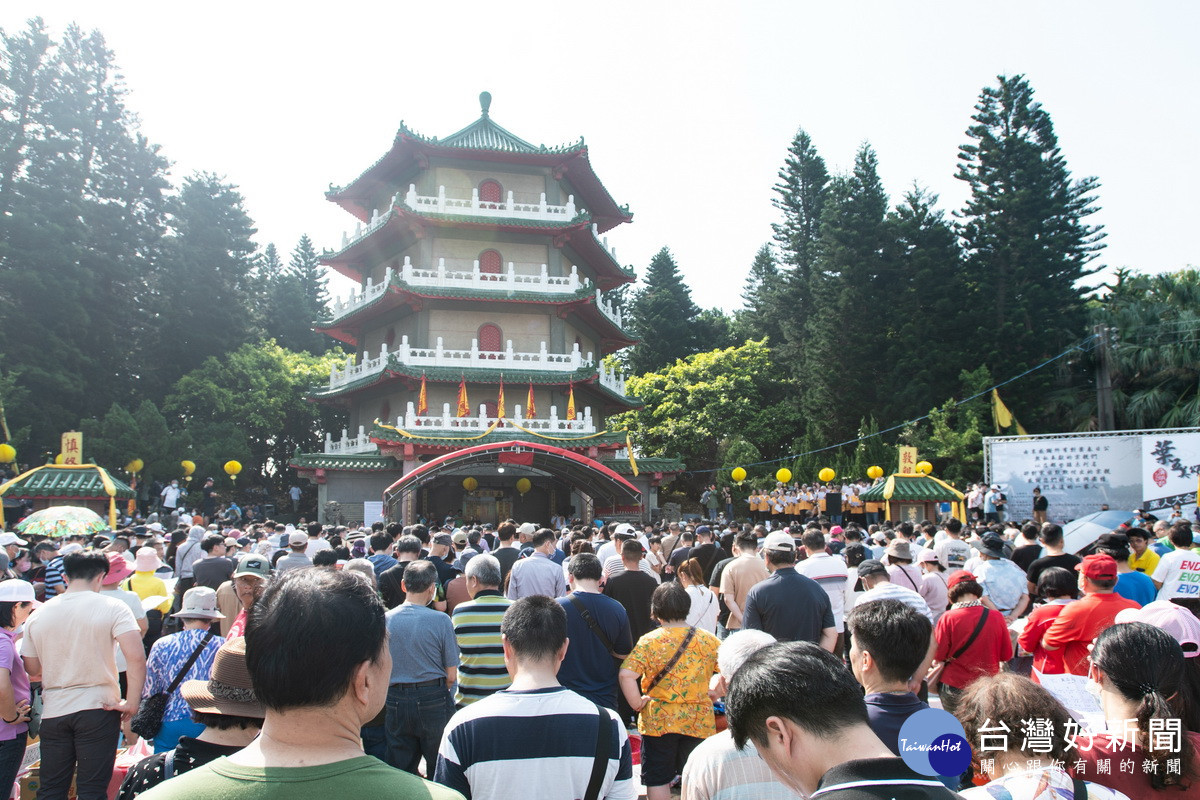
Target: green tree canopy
{"points": [[663, 317]]}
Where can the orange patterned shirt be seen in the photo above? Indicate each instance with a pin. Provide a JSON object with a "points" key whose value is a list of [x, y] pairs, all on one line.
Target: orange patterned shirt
{"points": [[680, 702]]}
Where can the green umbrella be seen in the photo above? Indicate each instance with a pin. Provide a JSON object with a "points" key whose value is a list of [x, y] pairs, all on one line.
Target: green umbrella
{"points": [[60, 521]]}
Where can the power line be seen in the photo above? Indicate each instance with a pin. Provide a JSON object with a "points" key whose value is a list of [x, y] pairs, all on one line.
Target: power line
{"points": [[1085, 344]]}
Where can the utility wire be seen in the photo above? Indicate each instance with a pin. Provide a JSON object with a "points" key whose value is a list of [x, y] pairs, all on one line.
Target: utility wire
{"points": [[1088, 343]]}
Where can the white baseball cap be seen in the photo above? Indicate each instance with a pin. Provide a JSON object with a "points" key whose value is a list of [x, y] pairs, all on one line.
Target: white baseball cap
{"points": [[15, 590], [8, 538]]}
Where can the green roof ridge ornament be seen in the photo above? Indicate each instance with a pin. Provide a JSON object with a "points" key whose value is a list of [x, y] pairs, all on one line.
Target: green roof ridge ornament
{"points": [[485, 102]]}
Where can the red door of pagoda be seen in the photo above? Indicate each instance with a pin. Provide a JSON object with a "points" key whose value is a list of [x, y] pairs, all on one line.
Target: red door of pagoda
{"points": [[489, 265]]}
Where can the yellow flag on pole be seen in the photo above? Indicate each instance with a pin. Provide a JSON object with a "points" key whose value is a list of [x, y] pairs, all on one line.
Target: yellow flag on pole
{"points": [[422, 399], [530, 405], [1000, 413], [464, 406], [500, 410], [571, 402]]}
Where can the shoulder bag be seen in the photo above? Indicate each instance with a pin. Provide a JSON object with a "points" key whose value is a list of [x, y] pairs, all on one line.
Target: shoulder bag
{"points": [[148, 720], [596, 629], [662, 673], [935, 675], [600, 763]]}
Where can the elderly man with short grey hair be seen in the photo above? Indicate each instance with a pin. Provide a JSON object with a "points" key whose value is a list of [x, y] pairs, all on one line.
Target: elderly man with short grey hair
{"points": [[477, 629]]}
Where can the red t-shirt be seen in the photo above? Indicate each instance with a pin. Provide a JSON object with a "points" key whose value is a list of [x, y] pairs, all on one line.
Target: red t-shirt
{"points": [[1047, 662], [1079, 623], [991, 647], [238, 628], [1135, 784]]}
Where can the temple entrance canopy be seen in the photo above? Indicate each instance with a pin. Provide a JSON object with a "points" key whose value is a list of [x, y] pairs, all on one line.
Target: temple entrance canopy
{"points": [[436, 487]]}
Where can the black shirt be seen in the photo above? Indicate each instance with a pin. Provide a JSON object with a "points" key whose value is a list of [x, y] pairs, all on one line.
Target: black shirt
{"points": [[189, 754], [708, 554], [871, 778], [789, 606], [212, 572], [1065, 560], [445, 571], [715, 580], [507, 556], [632, 589], [1026, 554]]}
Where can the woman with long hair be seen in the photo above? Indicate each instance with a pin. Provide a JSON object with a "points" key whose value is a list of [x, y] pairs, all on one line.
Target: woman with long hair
{"points": [[1020, 767], [704, 608], [1139, 671]]}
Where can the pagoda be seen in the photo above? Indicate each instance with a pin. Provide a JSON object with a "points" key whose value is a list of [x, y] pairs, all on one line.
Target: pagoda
{"points": [[479, 327]]}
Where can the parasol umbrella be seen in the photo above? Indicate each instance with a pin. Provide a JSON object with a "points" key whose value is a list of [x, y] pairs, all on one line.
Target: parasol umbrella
{"points": [[1081, 532], [59, 521]]}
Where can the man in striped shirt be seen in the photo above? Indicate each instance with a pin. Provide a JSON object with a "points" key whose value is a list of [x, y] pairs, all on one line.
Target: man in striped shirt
{"points": [[481, 670], [537, 738]]}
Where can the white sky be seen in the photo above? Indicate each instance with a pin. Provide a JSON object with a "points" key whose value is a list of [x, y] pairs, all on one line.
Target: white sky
{"points": [[687, 109]]}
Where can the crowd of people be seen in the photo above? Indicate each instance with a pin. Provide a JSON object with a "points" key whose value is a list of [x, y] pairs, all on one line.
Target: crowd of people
{"points": [[730, 661]]}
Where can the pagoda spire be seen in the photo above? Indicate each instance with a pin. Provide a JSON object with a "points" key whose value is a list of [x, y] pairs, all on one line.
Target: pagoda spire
{"points": [[485, 102]]}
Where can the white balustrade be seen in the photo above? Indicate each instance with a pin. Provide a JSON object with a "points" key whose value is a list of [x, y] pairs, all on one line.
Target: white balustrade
{"points": [[613, 314], [348, 445], [582, 424], [340, 308], [440, 204], [509, 280], [612, 379]]}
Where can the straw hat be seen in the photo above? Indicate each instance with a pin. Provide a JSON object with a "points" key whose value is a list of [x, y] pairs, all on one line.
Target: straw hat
{"points": [[229, 689]]}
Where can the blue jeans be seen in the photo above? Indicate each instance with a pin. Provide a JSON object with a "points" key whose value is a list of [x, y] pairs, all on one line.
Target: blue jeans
{"points": [[374, 739], [11, 753], [415, 721]]}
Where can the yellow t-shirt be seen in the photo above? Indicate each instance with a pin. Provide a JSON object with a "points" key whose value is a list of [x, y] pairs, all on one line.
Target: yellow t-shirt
{"points": [[1146, 564], [680, 702], [147, 584]]}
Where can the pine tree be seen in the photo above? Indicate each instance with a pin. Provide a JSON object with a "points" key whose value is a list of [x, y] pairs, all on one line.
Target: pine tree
{"points": [[801, 191], [1027, 242], [204, 280], [306, 267], [663, 317], [82, 199], [927, 291], [758, 317], [839, 386]]}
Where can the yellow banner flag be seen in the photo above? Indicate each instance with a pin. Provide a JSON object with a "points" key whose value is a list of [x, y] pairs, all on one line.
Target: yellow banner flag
{"points": [[629, 449], [571, 402], [1000, 413], [423, 400], [530, 405], [464, 406], [500, 410]]}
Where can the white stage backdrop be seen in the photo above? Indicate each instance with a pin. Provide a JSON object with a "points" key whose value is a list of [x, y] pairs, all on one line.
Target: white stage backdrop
{"points": [[1079, 474]]}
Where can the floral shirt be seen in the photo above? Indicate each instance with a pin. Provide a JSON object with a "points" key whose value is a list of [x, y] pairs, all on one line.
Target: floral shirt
{"points": [[680, 702], [167, 657]]}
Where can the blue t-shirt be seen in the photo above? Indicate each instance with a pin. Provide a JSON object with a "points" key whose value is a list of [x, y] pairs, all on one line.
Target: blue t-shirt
{"points": [[1136, 586], [589, 669], [422, 643]]}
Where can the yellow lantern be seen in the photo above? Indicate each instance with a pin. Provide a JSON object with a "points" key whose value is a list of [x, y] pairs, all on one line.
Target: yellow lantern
{"points": [[784, 475], [826, 475], [188, 467], [232, 468], [470, 484], [523, 485], [58, 459], [738, 475], [134, 466], [8, 453], [924, 467], [874, 473]]}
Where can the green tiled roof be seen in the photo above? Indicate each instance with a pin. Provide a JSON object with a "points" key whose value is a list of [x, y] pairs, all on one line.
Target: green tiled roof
{"points": [[910, 488], [352, 462], [51, 482], [621, 465], [584, 440]]}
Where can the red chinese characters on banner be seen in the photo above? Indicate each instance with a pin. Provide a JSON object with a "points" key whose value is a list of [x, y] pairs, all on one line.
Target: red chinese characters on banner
{"points": [[908, 460], [72, 447]]}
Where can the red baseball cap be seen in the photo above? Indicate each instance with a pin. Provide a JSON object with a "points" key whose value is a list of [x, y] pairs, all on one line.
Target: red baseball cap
{"points": [[959, 577], [1098, 567]]}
